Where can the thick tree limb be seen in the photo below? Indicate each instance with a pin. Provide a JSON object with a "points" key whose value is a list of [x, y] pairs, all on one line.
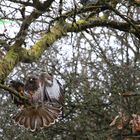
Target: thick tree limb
{"points": [[60, 29], [13, 56]]}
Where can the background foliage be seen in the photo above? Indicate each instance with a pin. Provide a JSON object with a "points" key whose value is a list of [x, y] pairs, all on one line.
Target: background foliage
{"points": [[92, 49]]}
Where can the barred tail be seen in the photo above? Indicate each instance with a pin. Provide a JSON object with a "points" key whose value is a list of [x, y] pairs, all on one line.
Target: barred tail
{"points": [[37, 117]]}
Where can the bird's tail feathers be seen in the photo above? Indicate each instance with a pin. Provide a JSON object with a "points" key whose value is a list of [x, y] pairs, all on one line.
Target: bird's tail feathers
{"points": [[37, 117]]}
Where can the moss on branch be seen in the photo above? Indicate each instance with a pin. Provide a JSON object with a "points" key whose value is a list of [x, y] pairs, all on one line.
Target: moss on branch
{"points": [[61, 28], [8, 63], [47, 40]]}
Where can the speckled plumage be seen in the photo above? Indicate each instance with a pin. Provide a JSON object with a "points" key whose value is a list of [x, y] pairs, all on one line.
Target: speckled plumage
{"points": [[46, 98]]}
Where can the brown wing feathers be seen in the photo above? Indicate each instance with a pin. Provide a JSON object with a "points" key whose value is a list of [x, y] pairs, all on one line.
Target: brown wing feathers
{"points": [[19, 87]]}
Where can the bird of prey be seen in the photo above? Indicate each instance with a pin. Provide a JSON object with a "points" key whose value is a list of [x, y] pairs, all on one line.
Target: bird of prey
{"points": [[45, 96]]}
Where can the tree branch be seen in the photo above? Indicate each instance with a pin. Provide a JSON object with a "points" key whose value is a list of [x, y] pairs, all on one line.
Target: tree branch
{"points": [[13, 56], [13, 92], [62, 28]]}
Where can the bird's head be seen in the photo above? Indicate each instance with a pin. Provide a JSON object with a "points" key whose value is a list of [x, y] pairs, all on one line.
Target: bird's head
{"points": [[47, 78], [32, 83]]}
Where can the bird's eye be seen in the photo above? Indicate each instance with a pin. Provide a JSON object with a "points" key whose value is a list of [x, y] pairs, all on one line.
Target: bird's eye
{"points": [[31, 79]]}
